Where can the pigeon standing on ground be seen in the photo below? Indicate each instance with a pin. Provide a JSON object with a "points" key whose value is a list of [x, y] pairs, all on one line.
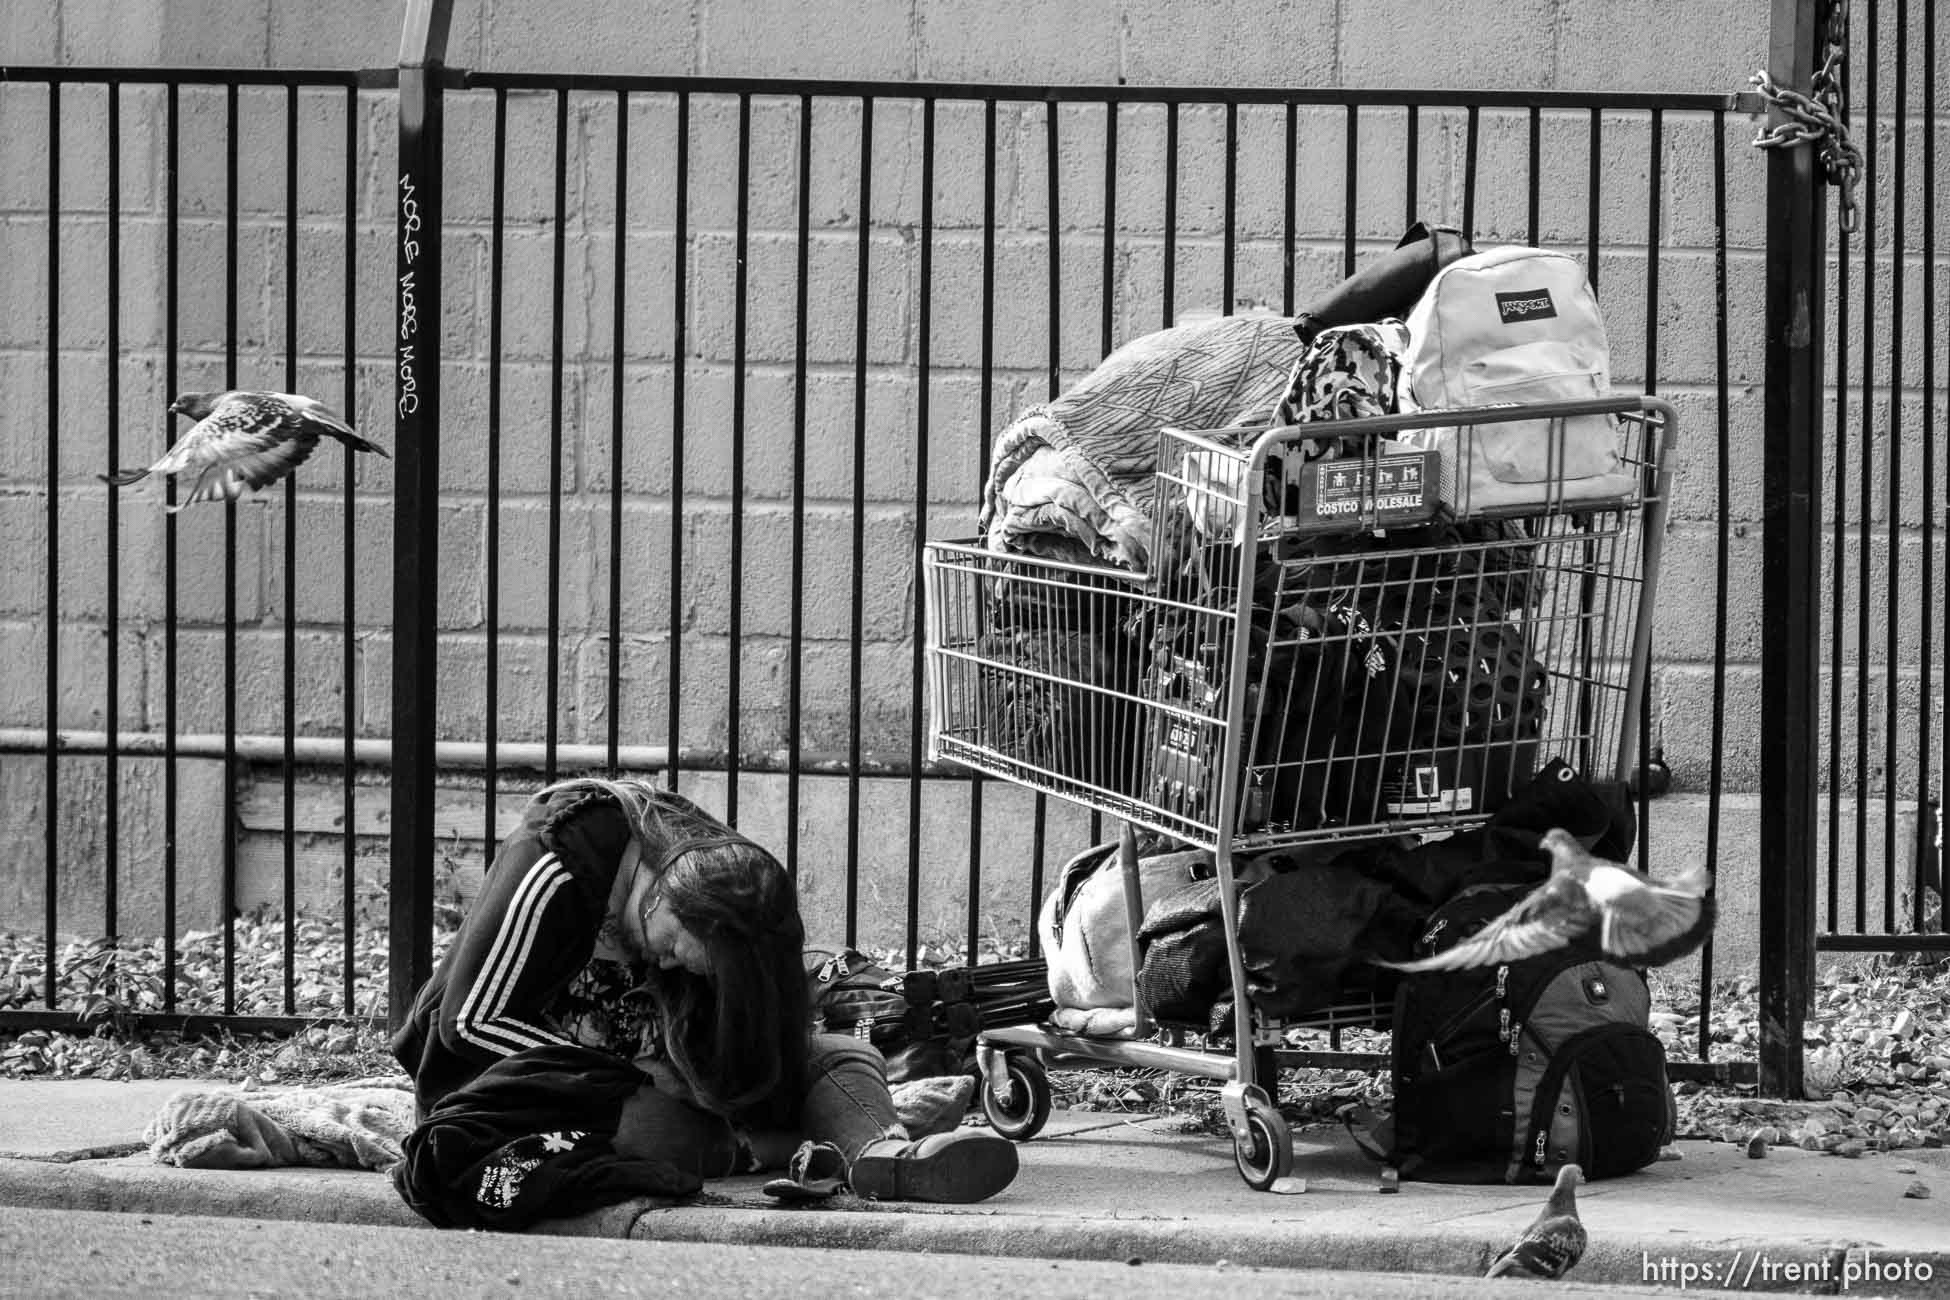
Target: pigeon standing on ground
{"points": [[1554, 1243], [243, 441], [1640, 921]]}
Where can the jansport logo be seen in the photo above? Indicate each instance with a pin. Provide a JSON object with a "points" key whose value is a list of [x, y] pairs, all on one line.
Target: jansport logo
{"points": [[1532, 304]]}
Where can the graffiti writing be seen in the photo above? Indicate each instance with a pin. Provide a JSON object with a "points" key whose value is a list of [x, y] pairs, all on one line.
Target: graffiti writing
{"points": [[409, 307]]}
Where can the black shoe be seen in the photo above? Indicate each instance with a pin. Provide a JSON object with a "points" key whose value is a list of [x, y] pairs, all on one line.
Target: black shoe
{"points": [[954, 1168]]}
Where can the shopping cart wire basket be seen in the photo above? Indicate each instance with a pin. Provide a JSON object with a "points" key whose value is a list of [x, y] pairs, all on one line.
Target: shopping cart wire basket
{"points": [[1320, 650]]}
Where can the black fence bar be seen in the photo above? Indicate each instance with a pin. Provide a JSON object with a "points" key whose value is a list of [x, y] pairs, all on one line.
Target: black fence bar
{"points": [[740, 341], [112, 574], [1228, 252], [679, 352], [51, 864], [923, 438], [1350, 187], [1790, 573], [796, 632], [1929, 858], [1411, 168], [193, 1024], [349, 575], [619, 296], [174, 76], [856, 573], [1934, 942], [491, 524], [1594, 187], [171, 152], [1043, 93], [288, 769], [1171, 220], [1534, 170], [529, 757], [1290, 195], [416, 500], [230, 268], [558, 238]]}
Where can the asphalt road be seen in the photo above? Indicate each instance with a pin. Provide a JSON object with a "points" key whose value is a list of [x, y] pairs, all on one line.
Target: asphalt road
{"points": [[50, 1253]]}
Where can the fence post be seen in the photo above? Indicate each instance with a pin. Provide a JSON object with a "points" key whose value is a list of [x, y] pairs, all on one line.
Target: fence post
{"points": [[416, 500], [1791, 565]]}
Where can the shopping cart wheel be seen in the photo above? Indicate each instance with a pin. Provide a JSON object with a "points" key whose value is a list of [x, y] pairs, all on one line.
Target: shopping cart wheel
{"points": [[1267, 1156], [1022, 1114]]}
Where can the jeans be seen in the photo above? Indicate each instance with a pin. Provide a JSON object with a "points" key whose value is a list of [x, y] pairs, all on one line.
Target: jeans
{"points": [[846, 1103]]}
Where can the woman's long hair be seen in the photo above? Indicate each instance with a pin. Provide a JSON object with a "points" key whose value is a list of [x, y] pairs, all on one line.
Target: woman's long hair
{"points": [[739, 1035]]}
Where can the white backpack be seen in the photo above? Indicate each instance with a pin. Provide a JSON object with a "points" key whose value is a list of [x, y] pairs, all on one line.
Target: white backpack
{"points": [[1514, 325]]}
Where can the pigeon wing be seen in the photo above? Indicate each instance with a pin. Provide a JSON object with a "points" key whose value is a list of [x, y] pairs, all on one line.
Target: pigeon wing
{"points": [[310, 409], [1550, 1249], [1650, 924], [313, 416], [248, 441], [1549, 916]]}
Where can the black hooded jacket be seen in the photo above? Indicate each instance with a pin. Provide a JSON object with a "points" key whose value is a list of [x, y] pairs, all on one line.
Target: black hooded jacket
{"points": [[530, 1138]]}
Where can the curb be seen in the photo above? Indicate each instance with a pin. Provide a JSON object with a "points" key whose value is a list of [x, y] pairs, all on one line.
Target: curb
{"points": [[1785, 1264], [138, 1185]]}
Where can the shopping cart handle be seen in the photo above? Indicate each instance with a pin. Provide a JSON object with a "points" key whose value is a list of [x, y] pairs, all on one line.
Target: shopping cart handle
{"points": [[1618, 404]]}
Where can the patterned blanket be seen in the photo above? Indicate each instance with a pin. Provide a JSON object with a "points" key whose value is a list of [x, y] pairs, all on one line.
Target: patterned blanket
{"points": [[1072, 479]]}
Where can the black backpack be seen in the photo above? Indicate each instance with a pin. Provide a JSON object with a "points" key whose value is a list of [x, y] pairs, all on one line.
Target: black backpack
{"points": [[1505, 1073], [923, 1021], [853, 994]]}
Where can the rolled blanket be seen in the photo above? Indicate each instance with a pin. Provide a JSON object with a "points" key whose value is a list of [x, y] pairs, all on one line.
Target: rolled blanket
{"points": [[334, 1127], [1088, 497]]}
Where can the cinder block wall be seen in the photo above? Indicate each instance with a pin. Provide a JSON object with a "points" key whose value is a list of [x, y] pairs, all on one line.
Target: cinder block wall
{"points": [[861, 439]]}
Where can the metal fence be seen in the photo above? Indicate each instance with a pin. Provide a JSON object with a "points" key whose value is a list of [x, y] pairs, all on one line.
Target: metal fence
{"points": [[166, 642], [682, 373], [1882, 596]]}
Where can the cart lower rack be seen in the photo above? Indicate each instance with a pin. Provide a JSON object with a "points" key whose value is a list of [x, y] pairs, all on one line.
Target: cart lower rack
{"points": [[1320, 650]]}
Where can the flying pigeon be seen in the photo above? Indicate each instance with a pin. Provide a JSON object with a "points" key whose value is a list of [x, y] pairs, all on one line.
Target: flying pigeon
{"points": [[1554, 1243], [243, 441], [1640, 921]]}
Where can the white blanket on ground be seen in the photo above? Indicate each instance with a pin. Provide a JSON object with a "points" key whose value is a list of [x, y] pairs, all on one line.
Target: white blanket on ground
{"points": [[360, 1125], [357, 1125]]}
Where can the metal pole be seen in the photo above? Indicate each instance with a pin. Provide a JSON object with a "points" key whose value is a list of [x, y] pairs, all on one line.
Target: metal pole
{"points": [[416, 500], [1790, 567]]}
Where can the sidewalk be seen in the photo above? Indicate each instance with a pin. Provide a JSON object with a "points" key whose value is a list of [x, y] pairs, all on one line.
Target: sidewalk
{"points": [[1102, 1186]]}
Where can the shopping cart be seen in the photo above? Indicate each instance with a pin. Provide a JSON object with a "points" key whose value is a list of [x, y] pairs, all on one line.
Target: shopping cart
{"points": [[1321, 650]]}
